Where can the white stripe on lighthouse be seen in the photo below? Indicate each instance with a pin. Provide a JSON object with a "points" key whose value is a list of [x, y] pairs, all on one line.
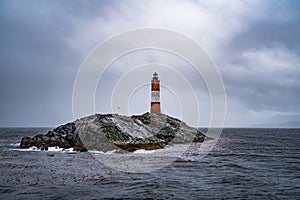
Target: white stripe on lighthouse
{"points": [[154, 96]]}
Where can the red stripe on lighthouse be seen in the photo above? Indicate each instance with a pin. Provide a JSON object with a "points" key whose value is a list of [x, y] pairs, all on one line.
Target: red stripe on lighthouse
{"points": [[155, 85], [155, 94]]}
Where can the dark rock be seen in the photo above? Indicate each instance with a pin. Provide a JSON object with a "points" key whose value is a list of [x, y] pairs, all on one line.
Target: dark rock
{"points": [[167, 134], [199, 137], [25, 142], [45, 138], [145, 118], [43, 147], [140, 145], [64, 129], [79, 147]]}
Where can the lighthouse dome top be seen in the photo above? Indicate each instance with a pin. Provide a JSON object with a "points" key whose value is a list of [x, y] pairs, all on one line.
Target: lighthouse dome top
{"points": [[155, 76]]}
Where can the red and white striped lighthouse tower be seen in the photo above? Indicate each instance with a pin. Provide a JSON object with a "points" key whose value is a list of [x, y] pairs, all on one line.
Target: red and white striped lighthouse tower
{"points": [[155, 93]]}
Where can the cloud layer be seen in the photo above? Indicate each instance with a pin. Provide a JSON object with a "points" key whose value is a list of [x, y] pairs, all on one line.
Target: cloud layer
{"points": [[255, 44]]}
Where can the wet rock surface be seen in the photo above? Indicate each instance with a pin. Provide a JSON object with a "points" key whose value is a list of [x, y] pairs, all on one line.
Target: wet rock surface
{"points": [[106, 132]]}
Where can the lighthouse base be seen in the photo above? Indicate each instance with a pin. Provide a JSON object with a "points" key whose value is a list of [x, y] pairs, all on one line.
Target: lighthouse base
{"points": [[155, 107]]}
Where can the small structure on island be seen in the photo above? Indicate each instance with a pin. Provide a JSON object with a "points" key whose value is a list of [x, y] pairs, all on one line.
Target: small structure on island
{"points": [[155, 94]]}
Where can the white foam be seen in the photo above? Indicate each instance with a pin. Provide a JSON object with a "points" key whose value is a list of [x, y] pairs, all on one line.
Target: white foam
{"points": [[28, 149], [170, 149], [50, 149], [57, 149], [101, 152], [143, 151], [15, 144]]}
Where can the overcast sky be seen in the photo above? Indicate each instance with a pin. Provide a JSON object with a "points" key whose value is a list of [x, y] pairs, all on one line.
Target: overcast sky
{"points": [[255, 45]]}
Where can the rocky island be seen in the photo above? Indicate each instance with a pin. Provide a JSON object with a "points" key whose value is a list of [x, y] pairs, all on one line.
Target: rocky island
{"points": [[106, 132]]}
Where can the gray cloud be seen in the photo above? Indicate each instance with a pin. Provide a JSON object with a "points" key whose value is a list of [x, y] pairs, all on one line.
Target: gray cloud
{"points": [[254, 43]]}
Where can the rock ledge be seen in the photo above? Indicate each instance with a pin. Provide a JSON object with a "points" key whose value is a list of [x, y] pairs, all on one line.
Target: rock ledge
{"points": [[105, 132]]}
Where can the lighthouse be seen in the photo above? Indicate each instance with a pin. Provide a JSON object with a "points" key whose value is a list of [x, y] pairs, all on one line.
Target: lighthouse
{"points": [[155, 93]]}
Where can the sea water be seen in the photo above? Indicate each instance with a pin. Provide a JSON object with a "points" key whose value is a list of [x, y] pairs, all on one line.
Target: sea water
{"points": [[245, 164]]}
